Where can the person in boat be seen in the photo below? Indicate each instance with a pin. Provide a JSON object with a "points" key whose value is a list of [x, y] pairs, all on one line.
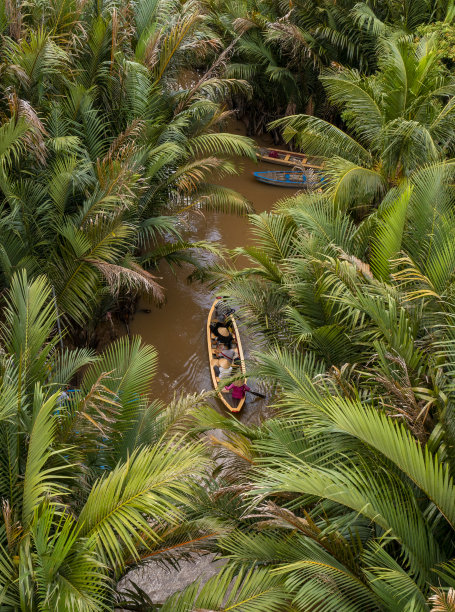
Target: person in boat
{"points": [[222, 333], [238, 391], [228, 353], [223, 369], [274, 154]]}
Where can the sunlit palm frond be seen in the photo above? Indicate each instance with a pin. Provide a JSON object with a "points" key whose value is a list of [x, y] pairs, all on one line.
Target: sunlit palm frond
{"points": [[40, 482], [251, 590], [318, 137], [153, 482]]}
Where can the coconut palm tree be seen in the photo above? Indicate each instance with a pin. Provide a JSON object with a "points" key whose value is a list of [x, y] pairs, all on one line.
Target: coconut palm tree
{"points": [[395, 121], [104, 147], [93, 478]]}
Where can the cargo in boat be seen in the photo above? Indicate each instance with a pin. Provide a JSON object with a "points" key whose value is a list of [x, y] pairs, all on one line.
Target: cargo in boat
{"points": [[224, 316]]}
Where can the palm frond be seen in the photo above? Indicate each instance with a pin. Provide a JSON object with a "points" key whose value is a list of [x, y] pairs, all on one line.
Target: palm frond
{"points": [[41, 482], [153, 482], [251, 591], [386, 243]]}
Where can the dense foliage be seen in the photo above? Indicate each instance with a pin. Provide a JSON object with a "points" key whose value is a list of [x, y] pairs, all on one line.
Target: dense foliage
{"points": [[347, 492], [112, 117], [93, 479], [355, 470], [101, 145]]}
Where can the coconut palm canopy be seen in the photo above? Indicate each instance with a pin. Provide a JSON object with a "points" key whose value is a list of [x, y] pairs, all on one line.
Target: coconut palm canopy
{"points": [[89, 483], [104, 140], [396, 120], [346, 487], [112, 119]]}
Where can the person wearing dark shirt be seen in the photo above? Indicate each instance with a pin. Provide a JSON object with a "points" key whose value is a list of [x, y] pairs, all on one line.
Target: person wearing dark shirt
{"points": [[222, 333]]}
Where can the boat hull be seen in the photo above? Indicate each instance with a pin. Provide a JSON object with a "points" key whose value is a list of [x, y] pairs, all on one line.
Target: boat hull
{"points": [[289, 158], [224, 396], [294, 180]]}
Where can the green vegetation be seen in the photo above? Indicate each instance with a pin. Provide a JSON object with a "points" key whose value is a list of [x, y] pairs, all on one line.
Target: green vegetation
{"points": [[81, 470], [355, 470], [397, 120], [100, 149], [113, 126]]}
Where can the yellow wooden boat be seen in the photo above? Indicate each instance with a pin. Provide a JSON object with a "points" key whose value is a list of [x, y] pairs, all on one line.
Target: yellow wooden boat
{"points": [[225, 396], [289, 158]]}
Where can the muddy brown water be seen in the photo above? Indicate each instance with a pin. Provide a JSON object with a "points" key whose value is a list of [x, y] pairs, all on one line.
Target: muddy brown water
{"points": [[178, 328]]}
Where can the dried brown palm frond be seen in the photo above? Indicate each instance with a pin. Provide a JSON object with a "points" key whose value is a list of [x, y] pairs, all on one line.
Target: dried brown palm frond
{"points": [[275, 516], [203, 46], [243, 24], [65, 21], [114, 34], [91, 417], [208, 74], [15, 18], [13, 529], [293, 39], [402, 402], [360, 265], [119, 179], [344, 378], [130, 278], [442, 601], [151, 52], [125, 143], [34, 139], [127, 26], [99, 407]]}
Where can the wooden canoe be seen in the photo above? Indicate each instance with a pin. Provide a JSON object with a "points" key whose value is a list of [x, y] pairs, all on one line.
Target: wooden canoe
{"points": [[225, 396], [295, 180], [289, 158]]}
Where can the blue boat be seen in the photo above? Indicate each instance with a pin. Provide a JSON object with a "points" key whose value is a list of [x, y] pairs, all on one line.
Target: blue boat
{"points": [[295, 179]]}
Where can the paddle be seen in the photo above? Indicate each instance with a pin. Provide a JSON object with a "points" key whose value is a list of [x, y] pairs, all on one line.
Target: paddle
{"points": [[255, 393]]}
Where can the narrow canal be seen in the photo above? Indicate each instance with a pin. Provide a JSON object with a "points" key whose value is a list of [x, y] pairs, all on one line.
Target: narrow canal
{"points": [[177, 329]]}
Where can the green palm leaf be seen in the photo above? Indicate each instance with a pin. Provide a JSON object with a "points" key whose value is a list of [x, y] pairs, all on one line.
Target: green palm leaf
{"points": [[396, 443], [30, 317], [40, 482], [153, 482], [387, 240], [250, 591]]}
